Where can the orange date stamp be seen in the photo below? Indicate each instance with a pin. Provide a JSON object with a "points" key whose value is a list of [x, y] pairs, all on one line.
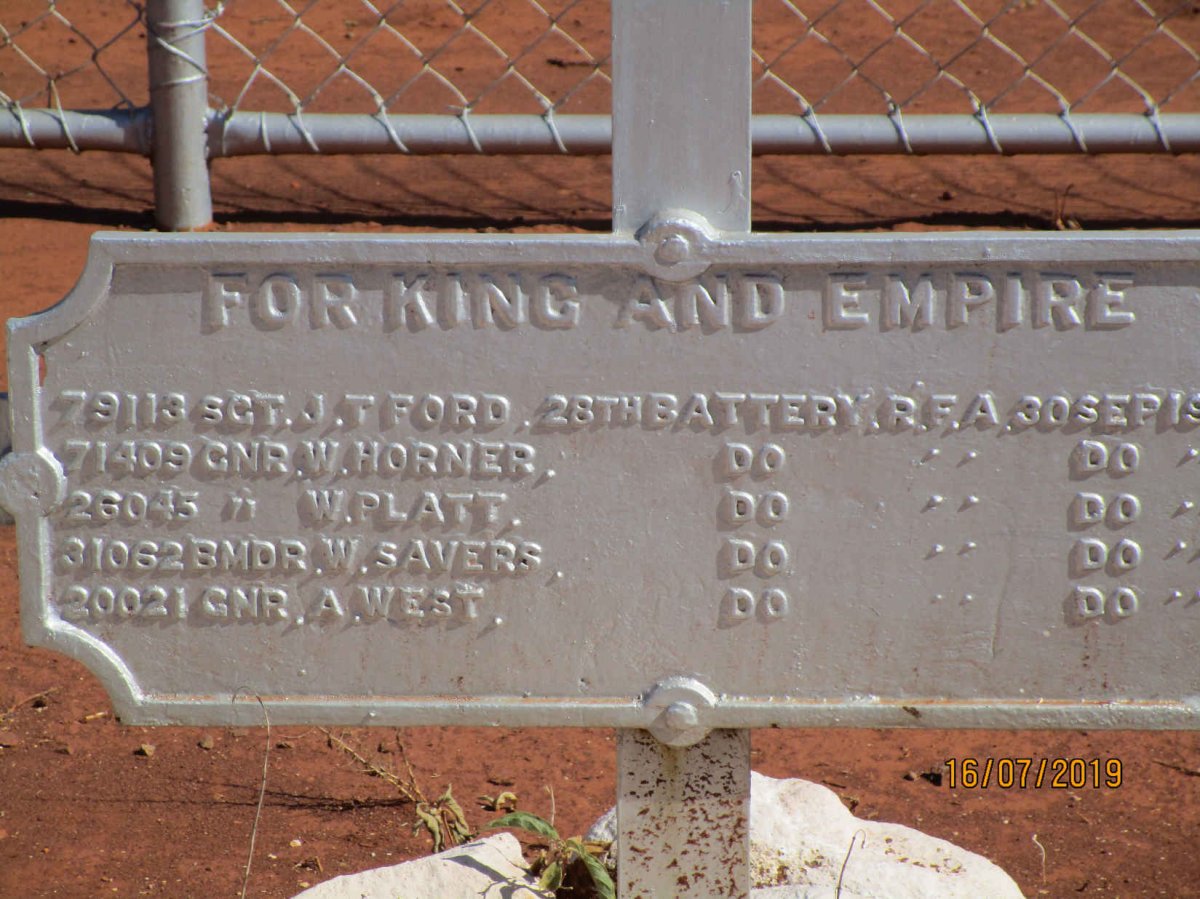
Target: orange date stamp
{"points": [[1033, 773]]}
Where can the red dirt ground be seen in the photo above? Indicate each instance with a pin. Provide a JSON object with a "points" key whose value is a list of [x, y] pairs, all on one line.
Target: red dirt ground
{"points": [[82, 814]]}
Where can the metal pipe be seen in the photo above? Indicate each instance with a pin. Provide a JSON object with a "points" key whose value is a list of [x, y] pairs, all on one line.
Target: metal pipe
{"points": [[179, 101], [115, 130], [248, 134], [845, 135]]}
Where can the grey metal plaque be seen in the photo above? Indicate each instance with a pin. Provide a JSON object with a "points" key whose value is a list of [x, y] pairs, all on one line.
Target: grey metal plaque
{"points": [[864, 480]]}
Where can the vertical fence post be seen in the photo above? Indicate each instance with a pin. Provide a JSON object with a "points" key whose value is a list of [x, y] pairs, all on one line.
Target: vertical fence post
{"points": [[681, 144], [179, 104], [683, 817], [681, 111]]}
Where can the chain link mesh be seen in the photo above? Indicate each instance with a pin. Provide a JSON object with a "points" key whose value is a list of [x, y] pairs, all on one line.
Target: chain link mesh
{"points": [[417, 56], [411, 57], [811, 58], [71, 55], [906, 57]]}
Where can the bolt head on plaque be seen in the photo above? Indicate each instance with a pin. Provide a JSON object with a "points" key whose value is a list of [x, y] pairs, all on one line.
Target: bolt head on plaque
{"points": [[678, 706], [677, 240], [673, 249], [31, 482]]}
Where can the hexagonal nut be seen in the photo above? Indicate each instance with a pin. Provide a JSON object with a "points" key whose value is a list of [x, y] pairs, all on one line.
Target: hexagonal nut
{"points": [[680, 704], [676, 241], [673, 249]]}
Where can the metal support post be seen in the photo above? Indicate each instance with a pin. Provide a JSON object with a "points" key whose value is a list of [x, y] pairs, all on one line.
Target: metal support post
{"points": [[681, 111], [683, 816], [681, 161], [179, 102]]}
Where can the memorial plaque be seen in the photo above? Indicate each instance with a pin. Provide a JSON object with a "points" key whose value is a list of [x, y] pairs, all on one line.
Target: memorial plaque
{"points": [[865, 480]]}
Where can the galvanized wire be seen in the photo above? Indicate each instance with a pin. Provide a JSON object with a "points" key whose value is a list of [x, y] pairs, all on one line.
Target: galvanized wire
{"points": [[908, 76], [81, 66], [420, 73], [898, 58]]}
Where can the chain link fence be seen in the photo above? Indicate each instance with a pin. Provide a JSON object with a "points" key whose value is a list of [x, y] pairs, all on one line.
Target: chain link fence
{"points": [[1054, 63], [533, 76], [415, 57]]}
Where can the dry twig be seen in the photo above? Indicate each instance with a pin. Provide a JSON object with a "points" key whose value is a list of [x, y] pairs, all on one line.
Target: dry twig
{"points": [[262, 793], [837, 894], [12, 709], [408, 789], [1042, 848], [443, 818], [1182, 769]]}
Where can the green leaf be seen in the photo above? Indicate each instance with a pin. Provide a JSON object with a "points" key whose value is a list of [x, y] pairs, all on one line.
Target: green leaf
{"points": [[604, 885], [526, 821], [552, 877]]}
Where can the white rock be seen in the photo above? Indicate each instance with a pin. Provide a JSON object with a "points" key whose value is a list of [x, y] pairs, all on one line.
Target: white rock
{"points": [[492, 866], [798, 891], [799, 836]]}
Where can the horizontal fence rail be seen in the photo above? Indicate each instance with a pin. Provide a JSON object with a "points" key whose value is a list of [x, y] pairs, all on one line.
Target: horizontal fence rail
{"points": [[835, 77], [255, 134]]}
